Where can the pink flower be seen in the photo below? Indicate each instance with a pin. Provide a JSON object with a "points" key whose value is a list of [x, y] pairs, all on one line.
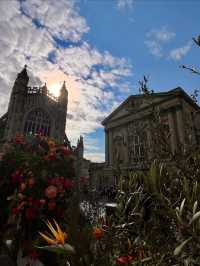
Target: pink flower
{"points": [[22, 186], [51, 192], [124, 260], [42, 202]]}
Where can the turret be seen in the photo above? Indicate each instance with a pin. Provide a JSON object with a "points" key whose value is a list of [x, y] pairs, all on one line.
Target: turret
{"points": [[63, 97], [80, 147], [16, 105], [44, 89], [21, 81]]}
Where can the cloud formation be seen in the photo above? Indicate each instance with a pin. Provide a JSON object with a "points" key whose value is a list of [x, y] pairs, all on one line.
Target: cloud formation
{"points": [[48, 36], [178, 53], [122, 4], [156, 40]]}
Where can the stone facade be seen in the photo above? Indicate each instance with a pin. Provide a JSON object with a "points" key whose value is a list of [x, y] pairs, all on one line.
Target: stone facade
{"points": [[34, 110], [130, 140]]}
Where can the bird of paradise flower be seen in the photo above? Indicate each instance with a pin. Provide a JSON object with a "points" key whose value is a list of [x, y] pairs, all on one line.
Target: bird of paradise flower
{"points": [[56, 240]]}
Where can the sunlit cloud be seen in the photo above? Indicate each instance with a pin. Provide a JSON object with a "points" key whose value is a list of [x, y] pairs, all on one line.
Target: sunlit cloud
{"points": [[93, 78]]}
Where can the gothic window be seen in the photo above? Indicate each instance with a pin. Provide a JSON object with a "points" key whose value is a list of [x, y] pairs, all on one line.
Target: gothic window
{"points": [[37, 121]]}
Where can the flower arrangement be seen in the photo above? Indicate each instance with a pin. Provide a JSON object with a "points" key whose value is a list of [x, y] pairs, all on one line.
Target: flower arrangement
{"points": [[37, 181]]}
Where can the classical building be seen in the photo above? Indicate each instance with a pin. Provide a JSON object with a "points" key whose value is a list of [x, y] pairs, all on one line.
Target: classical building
{"points": [[144, 126]]}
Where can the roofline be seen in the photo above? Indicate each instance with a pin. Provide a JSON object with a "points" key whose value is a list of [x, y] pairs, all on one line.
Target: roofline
{"points": [[176, 92]]}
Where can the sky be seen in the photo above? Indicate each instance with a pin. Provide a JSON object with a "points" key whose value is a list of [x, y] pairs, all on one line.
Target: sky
{"points": [[101, 48]]}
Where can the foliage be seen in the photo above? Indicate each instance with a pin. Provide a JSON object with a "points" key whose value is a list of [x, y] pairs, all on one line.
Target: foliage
{"points": [[37, 181]]}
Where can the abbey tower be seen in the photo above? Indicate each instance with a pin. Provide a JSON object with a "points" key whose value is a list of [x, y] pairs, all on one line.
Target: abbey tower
{"points": [[34, 110]]}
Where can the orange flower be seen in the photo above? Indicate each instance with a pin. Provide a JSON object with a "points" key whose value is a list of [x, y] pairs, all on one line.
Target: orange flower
{"points": [[51, 144], [58, 236], [98, 233], [31, 182], [51, 192], [19, 139]]}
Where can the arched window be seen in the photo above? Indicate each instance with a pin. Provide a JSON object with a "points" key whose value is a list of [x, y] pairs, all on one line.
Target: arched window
{"points": [[37, 121]]}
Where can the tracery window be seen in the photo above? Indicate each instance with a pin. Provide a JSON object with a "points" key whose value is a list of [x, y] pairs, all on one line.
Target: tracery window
{"points": [[37, 121]]}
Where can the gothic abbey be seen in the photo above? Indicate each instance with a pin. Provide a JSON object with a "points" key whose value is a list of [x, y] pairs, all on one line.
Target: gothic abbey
{"points": [[33, 110]]}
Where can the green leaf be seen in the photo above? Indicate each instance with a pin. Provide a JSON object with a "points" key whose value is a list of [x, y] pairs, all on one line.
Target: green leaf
{"points": [[178, 249], [195, 217], [181, 207], [59, 249]]}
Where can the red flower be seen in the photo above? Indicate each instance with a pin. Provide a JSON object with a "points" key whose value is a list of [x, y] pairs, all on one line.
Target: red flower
{"points": [[33, 254], [124, 260], [98, 233], [19, 139], [42, 202], [17, 177], [65, 151], [51, 205], [83, 179], [52, 156], [68, 184], [36, 203], [30, 213], [51, 192], [15, 211]]}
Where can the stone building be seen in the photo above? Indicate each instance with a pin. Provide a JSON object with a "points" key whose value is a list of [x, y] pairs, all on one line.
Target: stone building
{"points": [[34, 110], [131, 136]]}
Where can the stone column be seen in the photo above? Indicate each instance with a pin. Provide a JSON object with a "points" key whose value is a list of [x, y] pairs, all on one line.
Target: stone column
{"points": [[180, 126], [110, 149], [126, 145], [172, 129], [106, 146], [149, 145]]}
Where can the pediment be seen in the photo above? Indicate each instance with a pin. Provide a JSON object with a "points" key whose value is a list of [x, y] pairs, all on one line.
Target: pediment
{"points": [[133, 104]]}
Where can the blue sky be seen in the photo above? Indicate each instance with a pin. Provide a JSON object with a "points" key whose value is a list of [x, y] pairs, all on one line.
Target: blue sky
{"points": [[102, 48], [124, 31]]}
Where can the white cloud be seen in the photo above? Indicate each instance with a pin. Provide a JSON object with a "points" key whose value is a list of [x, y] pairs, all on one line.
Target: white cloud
{"points": [[162, 35], [28, 31], [154, 47], [61, 17], [96, 156], [178, 53], [122, 4], [156, 39]]}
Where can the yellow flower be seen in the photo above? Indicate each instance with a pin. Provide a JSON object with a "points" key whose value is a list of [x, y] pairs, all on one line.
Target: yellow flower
{"points": [[57, 237], [51, 143]]}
